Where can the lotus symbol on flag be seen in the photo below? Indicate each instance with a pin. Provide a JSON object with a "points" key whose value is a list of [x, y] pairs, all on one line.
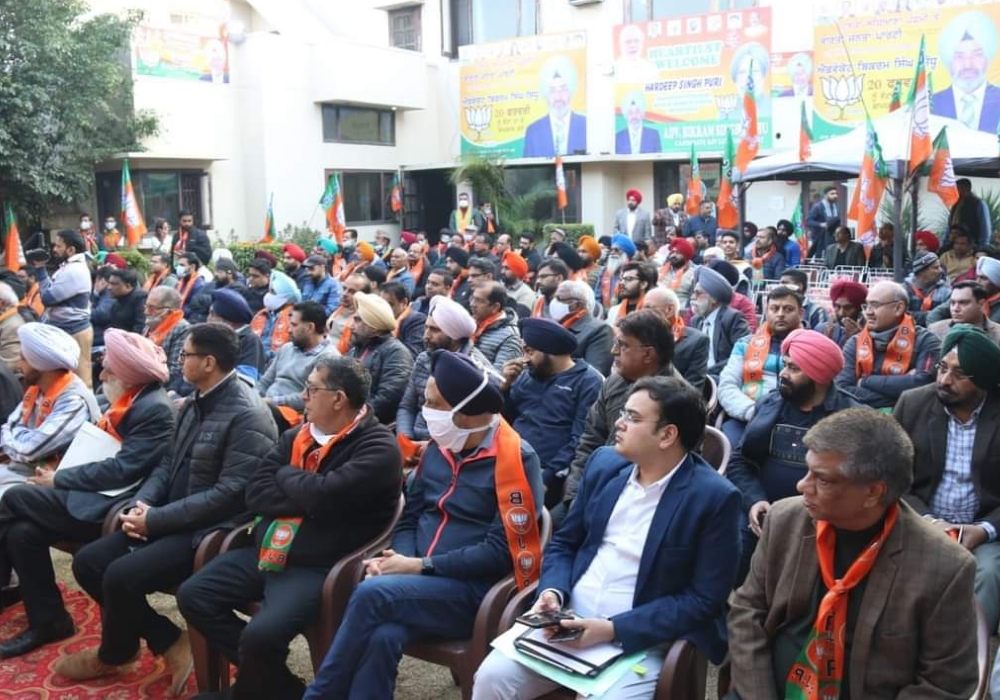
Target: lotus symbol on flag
{"points": [[726, 104], [842, 92], [478, 119]]}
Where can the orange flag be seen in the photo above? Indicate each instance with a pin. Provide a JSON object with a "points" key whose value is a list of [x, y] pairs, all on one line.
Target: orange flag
{"points": [[728, 212], [13, 254], [942, 178], [749, 140], [805, 136], [693, 199], [135, 225], [920, 114], [869, 189]]}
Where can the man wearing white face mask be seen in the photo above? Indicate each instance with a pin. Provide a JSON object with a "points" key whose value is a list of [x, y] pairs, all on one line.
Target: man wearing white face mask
{"points": [[572, 308], [189, 282], [454, 541], [273, 323]]}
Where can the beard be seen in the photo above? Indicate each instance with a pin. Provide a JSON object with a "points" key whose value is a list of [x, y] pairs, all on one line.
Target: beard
{"points": [[113, 389], [796, 394], [677, 263], [543, 371]]}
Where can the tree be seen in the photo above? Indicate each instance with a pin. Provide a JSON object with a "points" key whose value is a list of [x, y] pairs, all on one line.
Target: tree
{"points": [[491, 183], [65, 99]]}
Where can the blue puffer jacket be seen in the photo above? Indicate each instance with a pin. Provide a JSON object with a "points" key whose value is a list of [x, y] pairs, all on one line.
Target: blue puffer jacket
{"points": [[452, 514]]}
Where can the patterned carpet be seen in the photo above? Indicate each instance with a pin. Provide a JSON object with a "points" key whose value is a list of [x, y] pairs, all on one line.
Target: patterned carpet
{"points": [[30, 677]]}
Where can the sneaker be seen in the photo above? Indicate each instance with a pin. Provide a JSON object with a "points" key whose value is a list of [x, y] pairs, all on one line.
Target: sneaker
{"points": [[85, 665]]}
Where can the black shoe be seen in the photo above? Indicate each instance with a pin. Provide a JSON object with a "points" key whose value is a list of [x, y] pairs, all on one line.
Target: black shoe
{"points": [[32, 638]]}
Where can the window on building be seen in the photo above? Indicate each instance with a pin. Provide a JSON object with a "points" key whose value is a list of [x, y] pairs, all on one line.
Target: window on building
{"points": [[349, 124], [161, 194], [642, 10], [481, 21], [522, 181], [366, 196], [404, 28]]}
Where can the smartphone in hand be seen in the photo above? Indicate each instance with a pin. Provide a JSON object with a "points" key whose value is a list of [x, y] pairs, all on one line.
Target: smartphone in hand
{"points": [[548, 618]]}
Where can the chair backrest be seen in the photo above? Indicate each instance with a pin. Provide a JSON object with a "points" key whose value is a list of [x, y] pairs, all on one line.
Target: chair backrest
{"points": [[710, 392], [982, 653], [716, 450]]}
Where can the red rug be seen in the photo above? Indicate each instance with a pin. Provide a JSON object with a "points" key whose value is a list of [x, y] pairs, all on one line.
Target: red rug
{"points": [[30, 677]]}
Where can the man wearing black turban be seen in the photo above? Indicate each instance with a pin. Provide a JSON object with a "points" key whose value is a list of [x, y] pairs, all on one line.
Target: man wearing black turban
{"points": [[955, 427]]}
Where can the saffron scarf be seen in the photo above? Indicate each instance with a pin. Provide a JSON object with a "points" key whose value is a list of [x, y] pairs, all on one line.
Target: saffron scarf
{"points": [[674, 280], [280, 331], [898, 354], [457, 283], [486, 323], [926, 299], [819, 669], [154, 280], [307, 455], [568, 320], [163, 328], [757, 263], [755, 361], [8, 313], [185, 286], [399, 321], [48, 399], [113, 416], [678, 327], [538, 310]]}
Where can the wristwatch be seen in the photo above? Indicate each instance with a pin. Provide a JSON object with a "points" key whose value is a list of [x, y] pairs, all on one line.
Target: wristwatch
{"points": [[427, 566]]}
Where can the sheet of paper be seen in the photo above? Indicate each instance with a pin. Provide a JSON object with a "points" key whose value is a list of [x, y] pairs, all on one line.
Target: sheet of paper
{"points": [[92, 444], [587, 687]]}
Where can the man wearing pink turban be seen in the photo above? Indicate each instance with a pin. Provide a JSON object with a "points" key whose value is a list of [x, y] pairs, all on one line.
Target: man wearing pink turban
{"points": [[771, 458], [70, 504]]}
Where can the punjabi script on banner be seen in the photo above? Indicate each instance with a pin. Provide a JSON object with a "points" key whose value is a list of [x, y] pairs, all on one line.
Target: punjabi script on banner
{"points": [[859, 60], [680, 82], [524, 98]]}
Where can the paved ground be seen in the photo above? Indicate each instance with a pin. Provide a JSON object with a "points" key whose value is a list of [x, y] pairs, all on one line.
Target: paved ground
{"points": [[417, 680]]}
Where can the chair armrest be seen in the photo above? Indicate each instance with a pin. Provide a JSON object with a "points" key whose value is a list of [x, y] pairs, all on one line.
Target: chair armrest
{"points": [[208, 548], [518, 605], [485, 628], [683, 673], [238, 537], [112, 521]]}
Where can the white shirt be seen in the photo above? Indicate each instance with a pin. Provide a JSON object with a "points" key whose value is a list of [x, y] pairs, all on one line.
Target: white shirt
{"points": [[977, 96], [630, 219], [560, 130], [635, 140], [607, 587], [706, 328]]}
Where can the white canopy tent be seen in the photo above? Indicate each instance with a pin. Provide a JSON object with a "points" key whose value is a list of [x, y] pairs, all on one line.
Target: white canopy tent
{"points": [[972, 152]]}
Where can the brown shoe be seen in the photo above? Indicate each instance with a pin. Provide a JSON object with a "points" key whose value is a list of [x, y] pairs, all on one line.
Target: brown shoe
{"points": [[180, 664], [85, 665]]}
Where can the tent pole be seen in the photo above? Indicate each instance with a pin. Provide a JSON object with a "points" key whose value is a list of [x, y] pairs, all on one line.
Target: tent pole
{"points": [[899, 242], [741, 189], [914, 214]]}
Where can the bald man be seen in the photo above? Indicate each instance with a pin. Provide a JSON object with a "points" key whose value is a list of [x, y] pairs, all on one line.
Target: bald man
{"points": [[690, 344]]}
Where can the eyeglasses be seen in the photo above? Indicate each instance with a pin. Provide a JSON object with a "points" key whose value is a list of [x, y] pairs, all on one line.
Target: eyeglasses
{"points": [[956, 373], [311, 390], [154, 308], [184, 354], [632, 418], [619, 345], [876, 305], [546, 275], [629, 279]]}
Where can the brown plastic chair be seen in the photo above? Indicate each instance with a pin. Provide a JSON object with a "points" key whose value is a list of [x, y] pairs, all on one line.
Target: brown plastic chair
{"points": [[682, 676], [212, 668], [109, 525], [716, 450], [463, 656], [710, 392]]}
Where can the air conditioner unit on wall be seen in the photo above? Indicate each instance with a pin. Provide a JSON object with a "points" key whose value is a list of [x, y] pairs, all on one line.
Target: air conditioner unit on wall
{"points": [[585, 2]]}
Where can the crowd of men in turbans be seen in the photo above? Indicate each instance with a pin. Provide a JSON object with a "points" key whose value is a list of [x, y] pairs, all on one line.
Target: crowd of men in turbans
{"points": [[468, 388]]}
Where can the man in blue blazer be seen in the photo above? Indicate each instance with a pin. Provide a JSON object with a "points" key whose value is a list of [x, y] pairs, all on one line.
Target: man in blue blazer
{"points": [[636, 137], [562, 131], [648, 552], [966, 46]]}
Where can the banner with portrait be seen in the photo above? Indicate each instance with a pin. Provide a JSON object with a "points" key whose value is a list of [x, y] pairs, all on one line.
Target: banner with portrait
{"points": [[184, 40], [525, 97], [859, 60], [791, 74], [680, 82]]}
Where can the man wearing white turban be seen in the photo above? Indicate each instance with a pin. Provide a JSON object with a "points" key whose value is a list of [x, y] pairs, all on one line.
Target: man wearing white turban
{"points": [[384, 356], [966, 47], [273, 322], [448, 327], [55, 404], [70, 505]]}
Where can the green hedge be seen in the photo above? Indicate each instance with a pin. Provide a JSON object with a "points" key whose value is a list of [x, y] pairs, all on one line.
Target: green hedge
{"points": [[573, 231], [243, 252]]}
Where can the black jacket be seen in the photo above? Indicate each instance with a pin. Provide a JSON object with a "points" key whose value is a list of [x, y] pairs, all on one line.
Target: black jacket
{"points": [[126, 313], [201, 303], [389, 363], [347, 502], [691, 357], [146, 429], [411, 332], [594, 338], [197, 242], [11, 391], [728, 327], [221, 437]]}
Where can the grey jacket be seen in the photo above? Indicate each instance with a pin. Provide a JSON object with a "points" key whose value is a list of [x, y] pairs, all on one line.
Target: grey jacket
{"points": [[409, 418], [389, 363], [600, 426], [880, 390], [285, 378], [221, 437], [500, 342], [727, 328], [643, 229], [145, 429], [593, 343]]}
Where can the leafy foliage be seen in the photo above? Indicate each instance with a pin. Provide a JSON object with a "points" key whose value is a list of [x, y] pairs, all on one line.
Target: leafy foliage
{"points": [[572, 231], [489, 179], [65, 99]]}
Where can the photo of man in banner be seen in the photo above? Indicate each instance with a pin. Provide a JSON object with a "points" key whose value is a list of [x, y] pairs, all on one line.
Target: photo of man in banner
{"points": [[562, 131], [966, 48]]}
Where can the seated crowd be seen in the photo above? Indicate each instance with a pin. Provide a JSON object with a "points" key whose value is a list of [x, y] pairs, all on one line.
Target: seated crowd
{"points": [[846, 550]]}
